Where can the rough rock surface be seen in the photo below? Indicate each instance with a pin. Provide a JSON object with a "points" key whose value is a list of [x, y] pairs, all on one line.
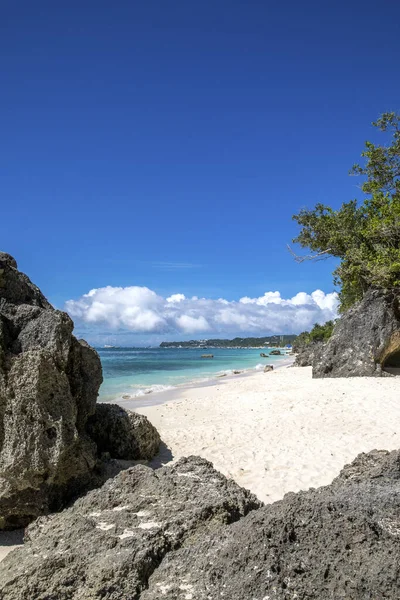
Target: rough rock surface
{"points": [[122, 433], [48, 387], [340, 541], [305, 355], [179, 533], [109, 543], [363, 340], [268, 368]]}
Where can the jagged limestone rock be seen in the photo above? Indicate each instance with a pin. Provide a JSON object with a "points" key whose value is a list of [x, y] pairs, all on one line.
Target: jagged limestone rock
{"points": [[187, 532], [109, 543], [50, 424], [305, 355], [123, 433], [365, 340], [339, 541], [48, 387]]}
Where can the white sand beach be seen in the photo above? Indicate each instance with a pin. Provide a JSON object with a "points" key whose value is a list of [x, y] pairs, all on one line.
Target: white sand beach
{"points": [[282, 431], [274, 432]]}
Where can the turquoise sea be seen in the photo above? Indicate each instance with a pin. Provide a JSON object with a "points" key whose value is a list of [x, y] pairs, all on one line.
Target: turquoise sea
{"points": [[138, 371]]}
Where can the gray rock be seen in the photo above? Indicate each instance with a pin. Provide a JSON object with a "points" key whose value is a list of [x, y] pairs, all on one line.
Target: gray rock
{"points": [[109, 543], [123, 433], [182, 532], [8, 260], [365, 341], [48, 387], [341, 541], [268, 368], [305, 355]]}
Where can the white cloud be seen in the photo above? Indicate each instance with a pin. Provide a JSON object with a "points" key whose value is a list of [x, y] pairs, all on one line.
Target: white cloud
{"points": [[268, 298], [176, 298], [189, 324], [141, 310]]}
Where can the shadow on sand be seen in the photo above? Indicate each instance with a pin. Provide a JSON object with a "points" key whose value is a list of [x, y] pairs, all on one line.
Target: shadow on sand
{"points": [[10, 540], [163, 457]]}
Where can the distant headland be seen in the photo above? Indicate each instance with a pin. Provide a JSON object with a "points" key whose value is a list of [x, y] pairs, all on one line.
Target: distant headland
{"points": [[238, 342]]}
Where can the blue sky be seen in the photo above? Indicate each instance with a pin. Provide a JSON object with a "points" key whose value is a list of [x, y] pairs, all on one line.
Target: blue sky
{"points": [[167, 145]]}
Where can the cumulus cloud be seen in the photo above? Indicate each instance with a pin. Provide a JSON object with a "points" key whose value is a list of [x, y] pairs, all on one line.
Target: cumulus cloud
{"points": [[140, 310], [189, 324], [176, 298]]}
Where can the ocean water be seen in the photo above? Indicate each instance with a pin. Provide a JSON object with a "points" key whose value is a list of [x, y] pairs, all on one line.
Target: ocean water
{"points": [[137, 371]]}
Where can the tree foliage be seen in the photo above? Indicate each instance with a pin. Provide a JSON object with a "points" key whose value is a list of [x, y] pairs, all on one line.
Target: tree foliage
{"points": [[364, 236], [319, 333]]}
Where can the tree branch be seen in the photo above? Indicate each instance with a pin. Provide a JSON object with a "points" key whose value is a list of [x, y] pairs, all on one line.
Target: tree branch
{"points": [[319, 256]]}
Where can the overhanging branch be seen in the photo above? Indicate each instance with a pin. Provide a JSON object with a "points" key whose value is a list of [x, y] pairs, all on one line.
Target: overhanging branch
{"points": [[319, 256]]}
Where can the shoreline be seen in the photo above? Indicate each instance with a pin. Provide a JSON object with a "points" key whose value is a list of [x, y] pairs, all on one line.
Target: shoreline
{"points": [[157, 397], [10, 540], [272, 433], [277, 432]]}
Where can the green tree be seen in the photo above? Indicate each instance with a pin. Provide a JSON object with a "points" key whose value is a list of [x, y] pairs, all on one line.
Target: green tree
{"points": [[319, 333], [364, 236]]}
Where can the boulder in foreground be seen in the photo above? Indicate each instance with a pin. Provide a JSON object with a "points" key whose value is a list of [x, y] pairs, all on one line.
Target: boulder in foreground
{"points": [[52, 433], [49, 383], [109, 543], [337, 542], [187, 532]]}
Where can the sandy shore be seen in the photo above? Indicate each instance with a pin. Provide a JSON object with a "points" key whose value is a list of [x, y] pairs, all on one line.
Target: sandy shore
{"points": [[281, 431], [272, 432], [9, 540]]}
